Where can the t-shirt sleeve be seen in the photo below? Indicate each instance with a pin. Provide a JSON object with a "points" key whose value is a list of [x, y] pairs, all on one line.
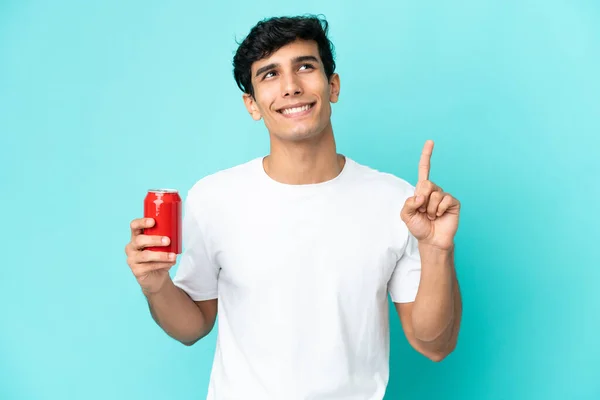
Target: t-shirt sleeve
{"points": [[404, 282], [197, 273]]}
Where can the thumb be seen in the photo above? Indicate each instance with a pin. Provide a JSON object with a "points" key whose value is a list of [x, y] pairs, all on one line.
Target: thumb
{"points": [[412, 204]]}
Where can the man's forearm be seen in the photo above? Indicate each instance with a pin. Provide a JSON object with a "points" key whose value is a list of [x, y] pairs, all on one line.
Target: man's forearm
{"points": [[177, 314], [437, 310]]}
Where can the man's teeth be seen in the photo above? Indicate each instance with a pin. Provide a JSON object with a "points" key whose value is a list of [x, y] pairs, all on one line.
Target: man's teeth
{"points": [[296, 109]]}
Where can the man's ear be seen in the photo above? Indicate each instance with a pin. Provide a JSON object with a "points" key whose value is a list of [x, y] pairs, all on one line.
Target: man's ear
{"points": [[334, 88], [251, 107]]}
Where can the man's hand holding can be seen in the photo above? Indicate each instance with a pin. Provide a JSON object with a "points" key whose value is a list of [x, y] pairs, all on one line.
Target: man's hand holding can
{"points": [[155, 240]]}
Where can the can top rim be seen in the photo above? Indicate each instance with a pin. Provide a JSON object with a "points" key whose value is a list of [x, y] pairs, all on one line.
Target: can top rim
{"points": [[162, 190]]}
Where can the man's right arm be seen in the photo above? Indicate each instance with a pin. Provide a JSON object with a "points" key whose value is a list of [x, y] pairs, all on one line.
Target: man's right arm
{"points": [[179, 316], [172, 308]]}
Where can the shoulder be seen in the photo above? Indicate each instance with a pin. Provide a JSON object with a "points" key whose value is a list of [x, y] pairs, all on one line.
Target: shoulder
{"points": [[382, 183], [223, 184], [383, 195]]}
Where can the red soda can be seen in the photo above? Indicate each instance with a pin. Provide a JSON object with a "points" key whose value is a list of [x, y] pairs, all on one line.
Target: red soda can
{"points": [[164, 206]]}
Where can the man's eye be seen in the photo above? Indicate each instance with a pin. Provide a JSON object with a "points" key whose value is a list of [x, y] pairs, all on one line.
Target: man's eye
{"points": [[269, 74], [308, 66]]}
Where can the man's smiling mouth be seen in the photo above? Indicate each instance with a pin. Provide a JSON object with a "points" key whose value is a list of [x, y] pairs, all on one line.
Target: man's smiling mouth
{"points": [[296, 109]]}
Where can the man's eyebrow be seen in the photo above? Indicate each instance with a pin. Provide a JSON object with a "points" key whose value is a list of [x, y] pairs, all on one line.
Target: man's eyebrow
{"points": [[296, 60], [266, 68]]}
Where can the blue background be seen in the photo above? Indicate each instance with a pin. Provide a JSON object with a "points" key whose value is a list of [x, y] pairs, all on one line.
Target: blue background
{"points": [[100, 101]]}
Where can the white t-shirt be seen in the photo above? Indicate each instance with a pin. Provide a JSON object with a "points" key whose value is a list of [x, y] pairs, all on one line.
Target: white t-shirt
{"points": [[302, 274]]}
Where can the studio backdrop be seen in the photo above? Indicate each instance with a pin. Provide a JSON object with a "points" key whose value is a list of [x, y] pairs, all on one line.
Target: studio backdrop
{"points": [[100, 101]]}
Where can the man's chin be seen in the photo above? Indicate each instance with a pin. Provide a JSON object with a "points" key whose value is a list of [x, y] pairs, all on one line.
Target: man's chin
{"points": [[293, 136]]}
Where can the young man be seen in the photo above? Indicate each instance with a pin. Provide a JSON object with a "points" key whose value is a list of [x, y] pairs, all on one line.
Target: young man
{"points": [[298, 250]]}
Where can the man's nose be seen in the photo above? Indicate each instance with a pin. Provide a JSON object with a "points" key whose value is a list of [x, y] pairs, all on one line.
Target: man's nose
{"points": [[290, 87]]}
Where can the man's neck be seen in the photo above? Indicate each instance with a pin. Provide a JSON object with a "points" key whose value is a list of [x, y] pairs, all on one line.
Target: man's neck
{"points": [[304, 163]]}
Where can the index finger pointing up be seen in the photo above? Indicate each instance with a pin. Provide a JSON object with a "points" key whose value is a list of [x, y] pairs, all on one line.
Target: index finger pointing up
{"points": [[425, 162]]}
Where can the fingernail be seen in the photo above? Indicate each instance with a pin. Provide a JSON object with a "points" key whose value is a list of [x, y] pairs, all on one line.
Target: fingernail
{"points": [[418, 199], [171, 256], [165, 240], [430, 217]]}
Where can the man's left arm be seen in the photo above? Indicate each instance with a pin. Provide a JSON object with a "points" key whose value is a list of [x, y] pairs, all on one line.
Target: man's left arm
{"points": [[431, 323]]}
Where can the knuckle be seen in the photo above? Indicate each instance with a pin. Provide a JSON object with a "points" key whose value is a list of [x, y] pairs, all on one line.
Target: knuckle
{"points": [[130, 249], [140, 241], [144, 256], [150, 256], [425, 188]]}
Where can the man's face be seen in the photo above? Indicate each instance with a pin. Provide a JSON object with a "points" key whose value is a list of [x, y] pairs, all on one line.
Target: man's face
{"points": [[292, 92]]}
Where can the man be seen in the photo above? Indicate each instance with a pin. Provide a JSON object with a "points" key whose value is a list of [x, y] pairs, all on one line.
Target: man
{"points": [[298, 250]]}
